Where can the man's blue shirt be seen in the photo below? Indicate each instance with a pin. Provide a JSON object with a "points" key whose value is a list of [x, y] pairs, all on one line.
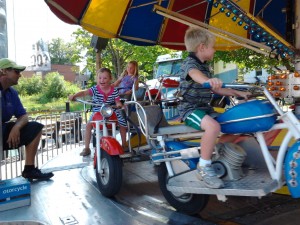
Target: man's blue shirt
{"points": [[11, 105]]}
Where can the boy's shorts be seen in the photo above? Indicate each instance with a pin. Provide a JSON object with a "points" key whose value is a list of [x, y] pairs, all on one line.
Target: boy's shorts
{"points": [[195, 118]]}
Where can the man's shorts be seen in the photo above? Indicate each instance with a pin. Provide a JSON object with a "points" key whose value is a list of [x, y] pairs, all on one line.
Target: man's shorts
{"points": [[195, 118], [27, 133]]}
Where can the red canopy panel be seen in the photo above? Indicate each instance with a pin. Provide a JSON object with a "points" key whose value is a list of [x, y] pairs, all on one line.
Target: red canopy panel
{"points": [[174, 31], [69, 11]]}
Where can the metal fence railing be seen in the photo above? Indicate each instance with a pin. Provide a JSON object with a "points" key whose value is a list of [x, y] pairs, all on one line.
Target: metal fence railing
{"points": [[170, 112], [62, 132]]}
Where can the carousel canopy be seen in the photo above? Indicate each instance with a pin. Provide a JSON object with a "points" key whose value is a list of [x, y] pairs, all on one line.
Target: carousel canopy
{"points": [[261, 25]]}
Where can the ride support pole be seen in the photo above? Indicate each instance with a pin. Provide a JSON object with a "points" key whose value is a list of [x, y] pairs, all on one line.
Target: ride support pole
{"points": [[1, 137]]}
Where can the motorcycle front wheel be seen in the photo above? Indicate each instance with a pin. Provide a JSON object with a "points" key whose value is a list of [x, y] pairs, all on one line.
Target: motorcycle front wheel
{"points": [[110, 176]]}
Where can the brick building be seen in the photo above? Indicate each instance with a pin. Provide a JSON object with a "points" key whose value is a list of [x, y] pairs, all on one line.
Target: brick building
{"points": [[68, 71]]}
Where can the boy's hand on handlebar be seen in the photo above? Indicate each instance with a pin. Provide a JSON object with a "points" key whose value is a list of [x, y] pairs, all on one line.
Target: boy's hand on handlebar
{"points": [[244, 94], [215, 83], [255, 95], [72, 98]]}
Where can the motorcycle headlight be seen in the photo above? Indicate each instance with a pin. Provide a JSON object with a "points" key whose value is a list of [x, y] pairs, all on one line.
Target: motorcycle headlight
{"points": [[106, 111]]}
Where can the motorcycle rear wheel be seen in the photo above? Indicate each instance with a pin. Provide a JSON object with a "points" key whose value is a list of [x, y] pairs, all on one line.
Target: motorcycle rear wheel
{"points": [[187, 203]]}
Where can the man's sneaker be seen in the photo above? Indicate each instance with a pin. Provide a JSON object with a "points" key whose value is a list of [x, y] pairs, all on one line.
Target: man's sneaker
{"points": [[209, 176], [85, 152], [36, 174]]}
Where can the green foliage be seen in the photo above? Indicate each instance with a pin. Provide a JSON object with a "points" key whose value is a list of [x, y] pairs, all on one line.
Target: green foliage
{"points": [[50, 89], [53, 91], [71, 88], [118, 53], [115, 57], [248, 60], [84, 54], [55, 87], [30, 86], [61, 52], [33, 105]]}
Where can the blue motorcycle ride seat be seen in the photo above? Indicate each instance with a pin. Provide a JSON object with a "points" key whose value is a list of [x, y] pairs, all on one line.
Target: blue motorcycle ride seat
{"points": [[249, 117]]}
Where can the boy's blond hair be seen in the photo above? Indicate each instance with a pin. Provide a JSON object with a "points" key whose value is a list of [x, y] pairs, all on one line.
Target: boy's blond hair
{"points": [[195, 36]]}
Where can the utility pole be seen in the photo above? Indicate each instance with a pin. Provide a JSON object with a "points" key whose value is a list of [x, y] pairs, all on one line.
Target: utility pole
{"points": [[98, 60], [98, 44], [3, 30]]}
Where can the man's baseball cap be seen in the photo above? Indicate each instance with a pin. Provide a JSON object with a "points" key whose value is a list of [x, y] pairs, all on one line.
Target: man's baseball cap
{"points": [[7, 63]]}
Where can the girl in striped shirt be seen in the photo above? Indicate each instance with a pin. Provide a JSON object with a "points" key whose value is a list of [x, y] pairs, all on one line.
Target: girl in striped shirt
{"points": [[102, 93]]}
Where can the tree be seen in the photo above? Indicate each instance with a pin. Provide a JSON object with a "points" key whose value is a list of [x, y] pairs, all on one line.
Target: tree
{"points": [[118, 53], [248, 60], [60, 52], [84, 53], [55, 87], [115, 56], [30, 86]]}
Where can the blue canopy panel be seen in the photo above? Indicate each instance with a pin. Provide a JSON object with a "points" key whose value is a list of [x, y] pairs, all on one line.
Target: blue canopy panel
{"points": [[272, 15], [141, 22]]}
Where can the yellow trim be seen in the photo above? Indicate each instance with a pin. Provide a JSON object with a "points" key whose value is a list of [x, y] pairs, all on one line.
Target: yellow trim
{"points": [[278, 140], [266, 28], [237, 40], [134, 141], [220, 20], [283, 191], [106, 14]]}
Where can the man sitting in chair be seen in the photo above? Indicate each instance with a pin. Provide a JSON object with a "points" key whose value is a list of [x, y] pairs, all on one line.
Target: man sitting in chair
{"points": [[21, 132]]}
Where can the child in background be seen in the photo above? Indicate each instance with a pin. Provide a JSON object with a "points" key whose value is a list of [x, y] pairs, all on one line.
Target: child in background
{"points": [[102, 93], [194, 108], [127, 79]]}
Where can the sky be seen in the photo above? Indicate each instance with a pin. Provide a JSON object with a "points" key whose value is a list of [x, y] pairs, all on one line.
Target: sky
{"points": [[29, 21]]}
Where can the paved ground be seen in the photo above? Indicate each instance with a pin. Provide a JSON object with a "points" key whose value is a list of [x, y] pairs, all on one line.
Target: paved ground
{"points": [[271, 210], [72, 197]]}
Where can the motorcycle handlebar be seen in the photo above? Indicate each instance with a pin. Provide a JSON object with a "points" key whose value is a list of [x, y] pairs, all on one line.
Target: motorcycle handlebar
{"points": [[85, 102], [91, 103], [244, 86]]}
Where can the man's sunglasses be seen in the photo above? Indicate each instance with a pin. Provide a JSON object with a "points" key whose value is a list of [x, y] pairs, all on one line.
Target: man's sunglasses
{"points": [[16, 71]]}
